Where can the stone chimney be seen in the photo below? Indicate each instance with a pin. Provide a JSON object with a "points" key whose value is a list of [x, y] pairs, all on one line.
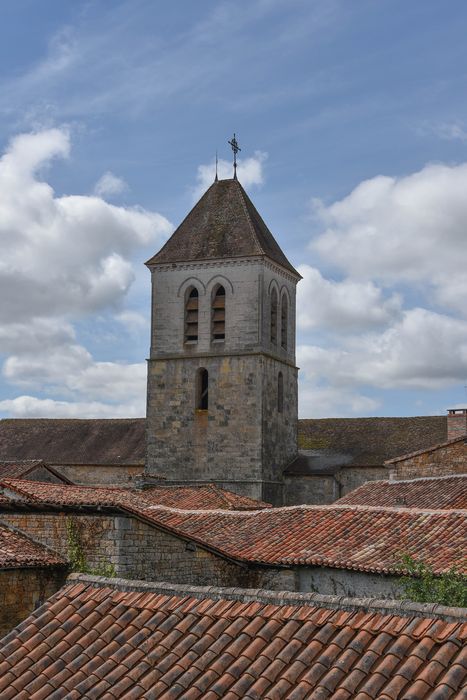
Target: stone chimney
{"points": [[457, 422]]}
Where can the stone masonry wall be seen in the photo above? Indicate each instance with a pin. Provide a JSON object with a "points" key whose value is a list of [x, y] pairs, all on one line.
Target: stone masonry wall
{"points": [[343, 582], [323, 489], [241, 441], [450, 459], [101, 474], [24, 590], [221, 444], [42, 474], [139, 551]]}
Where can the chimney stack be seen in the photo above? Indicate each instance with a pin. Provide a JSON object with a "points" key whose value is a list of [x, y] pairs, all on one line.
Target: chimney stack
{"points": [[457, 422]]}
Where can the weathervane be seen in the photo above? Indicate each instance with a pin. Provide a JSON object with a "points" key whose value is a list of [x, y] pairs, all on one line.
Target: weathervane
{"points": [[235, 148]]}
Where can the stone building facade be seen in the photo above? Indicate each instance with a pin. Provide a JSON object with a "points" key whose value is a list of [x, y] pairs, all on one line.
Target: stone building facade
{"points": [[137, 550], [24, 589], [222, 380], [444, 459]]}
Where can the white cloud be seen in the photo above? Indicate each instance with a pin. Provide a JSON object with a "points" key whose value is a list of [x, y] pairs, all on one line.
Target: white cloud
{"points": [[62, 255], [109, 185], [63, 258], [317, 401], [67, 368], [32, 407], [346, 305], [423, 350], [410, 229], [249, 172], [134, 321], [451, 131]]}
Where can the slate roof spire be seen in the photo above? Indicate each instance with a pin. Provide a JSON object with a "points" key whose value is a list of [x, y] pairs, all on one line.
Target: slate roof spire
{"points": [[223, 224]]}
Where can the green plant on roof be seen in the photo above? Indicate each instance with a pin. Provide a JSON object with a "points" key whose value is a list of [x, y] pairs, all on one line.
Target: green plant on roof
{"points": [[77, 557], [422, 585], [307, 442]]}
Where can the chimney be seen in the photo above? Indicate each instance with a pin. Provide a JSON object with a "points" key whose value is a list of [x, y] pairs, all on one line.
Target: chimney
{"points": [[457, 422]]}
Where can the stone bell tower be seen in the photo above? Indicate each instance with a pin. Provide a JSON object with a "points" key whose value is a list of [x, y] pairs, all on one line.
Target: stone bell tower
{"points": [[222, 380]]}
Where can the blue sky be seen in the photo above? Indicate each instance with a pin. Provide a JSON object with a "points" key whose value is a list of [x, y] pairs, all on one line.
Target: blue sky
{"points": [[353, 125]]}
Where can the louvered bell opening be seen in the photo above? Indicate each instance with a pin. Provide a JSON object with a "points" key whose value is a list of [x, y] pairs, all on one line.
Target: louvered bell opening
{"points": [[218, 315], [192, 304], [219, 302], [191, 326], [218, 331]]}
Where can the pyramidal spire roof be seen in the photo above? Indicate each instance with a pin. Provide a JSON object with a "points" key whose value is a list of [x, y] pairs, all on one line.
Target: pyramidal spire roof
{"points": [[223, 224]]}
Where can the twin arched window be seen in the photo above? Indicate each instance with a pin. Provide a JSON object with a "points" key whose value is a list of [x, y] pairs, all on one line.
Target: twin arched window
{"points": [[217, 315]]}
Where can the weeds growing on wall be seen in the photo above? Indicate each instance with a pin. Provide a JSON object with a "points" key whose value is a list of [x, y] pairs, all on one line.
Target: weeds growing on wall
{"points": [[77, 556], [422, 585]]}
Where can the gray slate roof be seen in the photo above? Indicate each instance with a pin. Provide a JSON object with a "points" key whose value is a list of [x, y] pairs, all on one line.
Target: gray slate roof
{"points": [[223, 224], [333, 442], [62, 441], [328, 444]]}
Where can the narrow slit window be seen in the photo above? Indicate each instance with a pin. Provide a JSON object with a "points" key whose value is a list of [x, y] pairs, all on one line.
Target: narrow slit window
{"points": [[280, 393], [218, 314], [202, 389], [191, 317], [274, 317], [284, 321]]}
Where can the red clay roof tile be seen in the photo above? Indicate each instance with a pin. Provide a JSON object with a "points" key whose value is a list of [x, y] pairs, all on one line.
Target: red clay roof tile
{"points": [[362, 538], [446, 492], [361, 654]]}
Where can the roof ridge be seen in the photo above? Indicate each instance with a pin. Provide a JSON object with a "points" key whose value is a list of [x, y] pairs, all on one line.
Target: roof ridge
{"points": [[248, 216], [445, 477], [422, 451], [329, 507], [285, 598]]}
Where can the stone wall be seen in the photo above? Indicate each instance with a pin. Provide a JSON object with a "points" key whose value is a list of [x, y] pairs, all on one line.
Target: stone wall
{"points": [[101, 474], [41, 473], [443, 461], [138, 551], [24, 590], [352, 584], [323, 489], [242, 440]]}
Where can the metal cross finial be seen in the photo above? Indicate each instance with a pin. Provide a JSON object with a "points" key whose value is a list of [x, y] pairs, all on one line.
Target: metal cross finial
{"points": [[235, 148]]}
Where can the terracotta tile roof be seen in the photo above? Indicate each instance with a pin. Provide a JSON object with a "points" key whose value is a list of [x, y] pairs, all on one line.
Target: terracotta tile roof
{"points": [[16, 469], [442, 492], [10, 469], [206, 497], [118, 639], [74, 441], [223, 224], [367, 441], [361, 538], [19, 551]]}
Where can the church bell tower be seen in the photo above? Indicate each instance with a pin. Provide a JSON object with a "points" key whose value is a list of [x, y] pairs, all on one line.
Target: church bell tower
{"points": [[222, 380]]}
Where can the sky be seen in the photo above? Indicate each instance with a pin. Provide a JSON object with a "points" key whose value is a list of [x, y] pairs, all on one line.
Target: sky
{"points": [[352, 119]]}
